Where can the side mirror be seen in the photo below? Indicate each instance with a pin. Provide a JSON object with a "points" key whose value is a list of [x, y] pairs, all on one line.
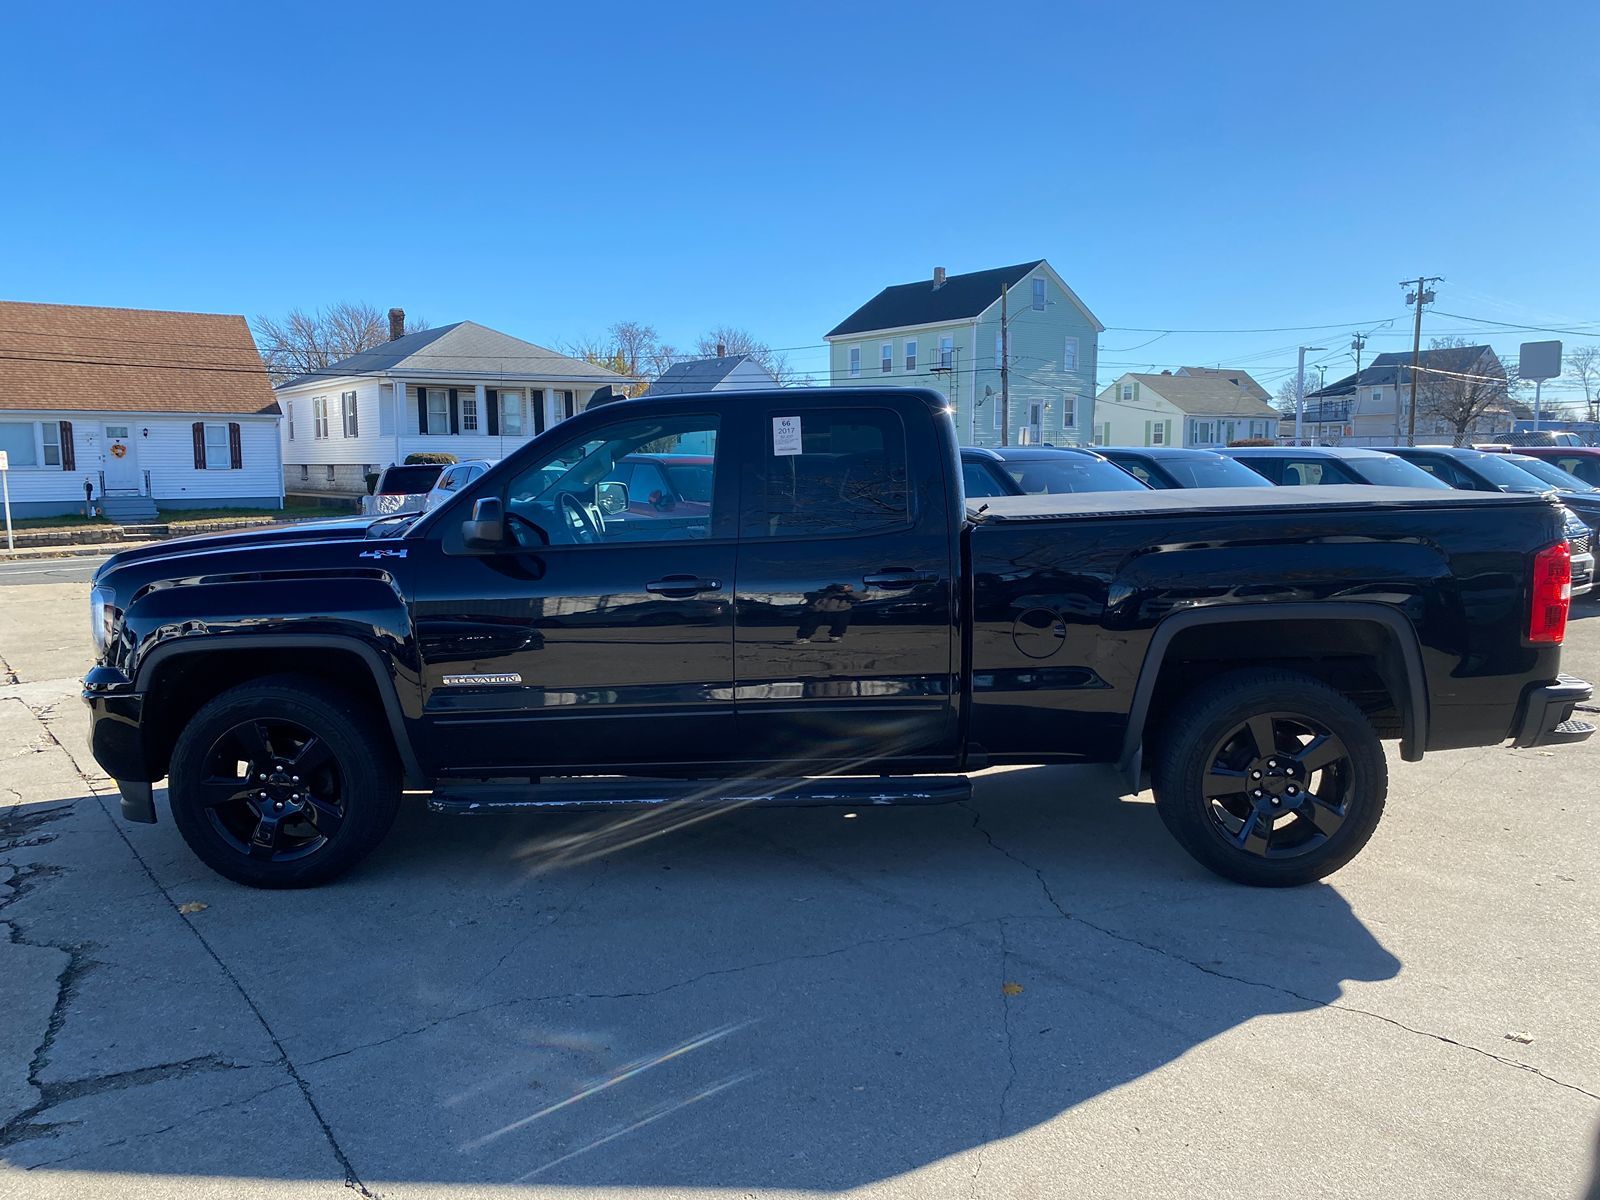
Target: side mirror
{"points": [[611, 497], [486, 529]]}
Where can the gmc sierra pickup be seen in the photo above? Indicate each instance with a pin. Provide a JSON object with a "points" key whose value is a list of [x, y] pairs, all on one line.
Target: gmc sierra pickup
{"points": [[828, 622]]}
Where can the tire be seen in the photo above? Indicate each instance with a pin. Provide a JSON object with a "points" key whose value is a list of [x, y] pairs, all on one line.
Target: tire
{"points": [[1307, 814], [321, 790]]}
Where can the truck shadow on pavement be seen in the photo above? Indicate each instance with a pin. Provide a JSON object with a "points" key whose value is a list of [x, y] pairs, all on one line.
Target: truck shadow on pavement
{"points": [[763, 998]]}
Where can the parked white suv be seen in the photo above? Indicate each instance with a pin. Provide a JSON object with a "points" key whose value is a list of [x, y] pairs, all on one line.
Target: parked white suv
{"points": [[452, 479]]}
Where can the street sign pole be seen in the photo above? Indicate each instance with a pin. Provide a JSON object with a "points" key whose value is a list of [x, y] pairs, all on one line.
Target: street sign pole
{"points": [[5, 486]]}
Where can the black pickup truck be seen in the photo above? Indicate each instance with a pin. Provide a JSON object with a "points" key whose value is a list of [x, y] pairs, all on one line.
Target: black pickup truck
{"points": [[830, 623]]}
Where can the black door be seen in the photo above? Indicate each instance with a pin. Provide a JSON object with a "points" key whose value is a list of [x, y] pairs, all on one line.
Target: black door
{"points": [[610, 646], [844, 654]]}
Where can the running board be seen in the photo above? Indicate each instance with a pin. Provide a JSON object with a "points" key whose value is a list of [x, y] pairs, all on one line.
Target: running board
{"points": [[601, 793]]}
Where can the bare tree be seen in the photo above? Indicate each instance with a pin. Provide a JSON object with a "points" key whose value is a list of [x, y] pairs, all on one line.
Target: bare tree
{"points": [[734, 340], [628, 348], [1461, 398], [305, 342], [1285, 399], [1583, 366]]}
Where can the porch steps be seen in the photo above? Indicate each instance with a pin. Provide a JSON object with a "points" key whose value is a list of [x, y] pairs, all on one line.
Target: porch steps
{"points": [[129, 510]]}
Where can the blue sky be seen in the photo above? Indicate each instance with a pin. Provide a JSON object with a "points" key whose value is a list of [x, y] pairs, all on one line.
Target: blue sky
{"points": [[548, 171]]}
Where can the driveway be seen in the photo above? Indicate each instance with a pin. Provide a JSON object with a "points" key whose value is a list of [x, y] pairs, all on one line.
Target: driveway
{"points": [[1036, 994]]}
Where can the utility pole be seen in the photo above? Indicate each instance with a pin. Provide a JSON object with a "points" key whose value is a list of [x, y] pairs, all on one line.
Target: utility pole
{"points": [[1005, 372], [1300, 395], [1420, 296]]}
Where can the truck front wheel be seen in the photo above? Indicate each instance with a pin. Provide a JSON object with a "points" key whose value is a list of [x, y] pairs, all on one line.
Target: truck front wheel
{"points": [[283, 782], [1270, 778]]}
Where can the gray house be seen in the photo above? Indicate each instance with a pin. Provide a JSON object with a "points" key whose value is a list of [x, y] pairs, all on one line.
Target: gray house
{"points": [[725, 373]]}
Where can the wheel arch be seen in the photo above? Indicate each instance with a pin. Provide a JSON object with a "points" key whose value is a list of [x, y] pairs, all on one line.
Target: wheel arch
{"points": [[1401, 674], [319, 655]]}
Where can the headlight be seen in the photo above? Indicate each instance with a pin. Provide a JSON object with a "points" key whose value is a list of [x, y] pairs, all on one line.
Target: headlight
{"points": [[102, 617]]}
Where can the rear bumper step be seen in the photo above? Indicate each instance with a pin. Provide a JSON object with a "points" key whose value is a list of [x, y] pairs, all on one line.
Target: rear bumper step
{"points": [[1547, 718], [602, 793]]}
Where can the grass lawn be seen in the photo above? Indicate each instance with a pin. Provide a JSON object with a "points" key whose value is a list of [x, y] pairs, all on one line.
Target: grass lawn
{"points": [[75, 521], [185, 516]]}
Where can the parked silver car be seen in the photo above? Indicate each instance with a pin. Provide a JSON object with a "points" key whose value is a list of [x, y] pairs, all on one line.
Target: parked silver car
{"points": [[452, 479]]}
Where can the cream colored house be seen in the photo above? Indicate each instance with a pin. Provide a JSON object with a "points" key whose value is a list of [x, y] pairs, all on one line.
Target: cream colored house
{"points": [[1192, 406]]}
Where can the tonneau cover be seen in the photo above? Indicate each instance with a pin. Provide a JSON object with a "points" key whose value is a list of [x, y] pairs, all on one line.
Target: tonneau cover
{"points": [[1131, 504]]}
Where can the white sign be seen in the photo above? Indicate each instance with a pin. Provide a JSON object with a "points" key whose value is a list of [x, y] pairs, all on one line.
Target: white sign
{"points": [[1539, 361], [5, 460], [786, 435]]}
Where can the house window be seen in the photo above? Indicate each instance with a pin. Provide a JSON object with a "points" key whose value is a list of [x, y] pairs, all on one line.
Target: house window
{"points": [[319, 416], [305, 473], [469, 414], [288, 411], [1158, 433], [1202, 432], [218, 456], [911, 354], [1038, 295], [52, 442], [511, 414], [347, 412], [855, 361], [1069, 412], [17, 440], [999, 349], [886, 357], [1377, 395], [438, 411], [329, 470], [947, 351], [1127, 393], [1069, 355]]}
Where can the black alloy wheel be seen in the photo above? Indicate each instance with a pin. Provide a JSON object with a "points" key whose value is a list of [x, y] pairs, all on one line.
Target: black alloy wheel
{"points": [[1269, 777], [274, 790]]}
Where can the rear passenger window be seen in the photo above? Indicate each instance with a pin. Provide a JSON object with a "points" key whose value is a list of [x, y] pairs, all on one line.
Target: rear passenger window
{"points": [[832, 473]]}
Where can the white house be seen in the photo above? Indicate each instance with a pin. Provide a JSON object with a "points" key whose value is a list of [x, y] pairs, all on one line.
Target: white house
{"points": [[462, 389], [946, 333], [724, 373], [1192, 406], [167, 410]]}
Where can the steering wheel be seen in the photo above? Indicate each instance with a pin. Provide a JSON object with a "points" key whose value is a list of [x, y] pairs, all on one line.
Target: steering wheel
{"points": [[579, 519]]}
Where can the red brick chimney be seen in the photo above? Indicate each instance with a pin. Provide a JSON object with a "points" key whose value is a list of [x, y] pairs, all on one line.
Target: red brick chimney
{"points": [[397, 323], [722, 349]]}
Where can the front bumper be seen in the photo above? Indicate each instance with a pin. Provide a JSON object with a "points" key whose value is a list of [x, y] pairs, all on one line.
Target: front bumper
{"points": [[1547, 718], [116, 739]]}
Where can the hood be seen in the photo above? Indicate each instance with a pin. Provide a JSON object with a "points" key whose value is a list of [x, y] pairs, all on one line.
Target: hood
{"points": [[354, 529]]}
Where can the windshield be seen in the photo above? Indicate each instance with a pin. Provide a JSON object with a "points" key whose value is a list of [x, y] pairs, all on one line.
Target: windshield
{"points": [[1070, 473], [1395, 472], [1211, 473], [1551, 474], [408, 481], [1500, 472], [692, 481]]}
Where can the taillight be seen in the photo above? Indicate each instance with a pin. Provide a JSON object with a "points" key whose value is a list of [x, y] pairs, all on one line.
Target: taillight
{"points": [[1552, 594]]}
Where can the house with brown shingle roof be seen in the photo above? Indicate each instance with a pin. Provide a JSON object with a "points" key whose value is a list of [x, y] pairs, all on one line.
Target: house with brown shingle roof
{"points": [[1192, 406], [145, 409]]}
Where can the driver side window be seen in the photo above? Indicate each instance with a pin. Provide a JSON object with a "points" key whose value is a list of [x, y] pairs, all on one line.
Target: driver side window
{"points": [[636, 480]]}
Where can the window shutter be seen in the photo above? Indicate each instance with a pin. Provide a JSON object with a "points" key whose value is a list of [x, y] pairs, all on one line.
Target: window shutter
{"points": [[536, 402], [492, 400], [1166, 434], [455, 411], [235, 446], [199, 446], [1136, 391], [422, 410], [69, 457], [1147, 425]]}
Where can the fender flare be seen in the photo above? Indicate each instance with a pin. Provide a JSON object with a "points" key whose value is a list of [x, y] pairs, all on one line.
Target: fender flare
{"points": [[1409, 684], [381, 678]]}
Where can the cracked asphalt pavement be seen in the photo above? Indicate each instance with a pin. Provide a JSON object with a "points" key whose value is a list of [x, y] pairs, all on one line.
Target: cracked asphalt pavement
{"points": [[1035, 994]]}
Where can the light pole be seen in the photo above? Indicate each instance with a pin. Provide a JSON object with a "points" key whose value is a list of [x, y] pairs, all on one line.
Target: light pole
{"points": [[1300, 395]]}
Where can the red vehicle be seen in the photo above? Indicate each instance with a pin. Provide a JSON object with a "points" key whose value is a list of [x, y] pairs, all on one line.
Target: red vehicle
{"points": [[665, 485], [1582, 461]]}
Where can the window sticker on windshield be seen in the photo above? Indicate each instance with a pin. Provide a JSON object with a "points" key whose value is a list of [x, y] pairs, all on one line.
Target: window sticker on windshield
{"points": [[786, 435]]}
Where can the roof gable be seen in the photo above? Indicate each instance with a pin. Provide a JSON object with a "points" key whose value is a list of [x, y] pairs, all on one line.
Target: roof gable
{"points": [[68, 357], [464, 349], [703, 374], [1206, 395], [959, 298]]}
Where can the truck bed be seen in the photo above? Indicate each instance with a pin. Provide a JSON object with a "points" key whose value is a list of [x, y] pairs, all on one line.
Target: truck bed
{"points": [[1222, 500]]}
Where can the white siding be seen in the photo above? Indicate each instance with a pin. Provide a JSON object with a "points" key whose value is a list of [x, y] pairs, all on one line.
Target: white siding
{"points": [[163, 445]]}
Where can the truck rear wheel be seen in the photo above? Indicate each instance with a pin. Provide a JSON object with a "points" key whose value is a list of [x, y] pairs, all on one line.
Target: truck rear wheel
{"points": [[283, 782], [1270, 777]]}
